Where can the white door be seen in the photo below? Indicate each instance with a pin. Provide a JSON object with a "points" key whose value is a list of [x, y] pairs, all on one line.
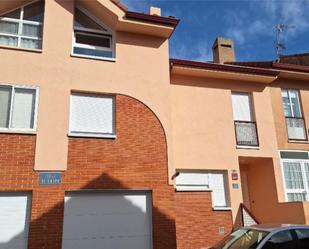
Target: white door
{"points": [[109, 220], [14, 220]]}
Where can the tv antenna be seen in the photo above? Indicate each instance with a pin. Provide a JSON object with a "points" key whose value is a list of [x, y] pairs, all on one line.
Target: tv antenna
{"points": [[279, 44]]}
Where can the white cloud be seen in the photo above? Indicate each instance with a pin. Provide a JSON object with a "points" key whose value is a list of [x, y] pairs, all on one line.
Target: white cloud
{"points": [[260, 20], [200, 52], [203, 52]]}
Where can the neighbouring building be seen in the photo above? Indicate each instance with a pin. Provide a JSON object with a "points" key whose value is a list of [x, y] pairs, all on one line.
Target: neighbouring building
{"points": [[106, 142]]}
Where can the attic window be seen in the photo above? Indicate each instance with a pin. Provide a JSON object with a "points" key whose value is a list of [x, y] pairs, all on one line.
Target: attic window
{"points": [[23, 27], [91, 38]]}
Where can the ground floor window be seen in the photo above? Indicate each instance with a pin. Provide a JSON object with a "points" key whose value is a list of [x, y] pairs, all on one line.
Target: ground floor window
{"points": [[214, 181], [295, 168]]}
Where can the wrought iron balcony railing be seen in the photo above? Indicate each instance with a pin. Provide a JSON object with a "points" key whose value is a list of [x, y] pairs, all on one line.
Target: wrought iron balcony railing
{"points": [[246, 133], [296, 128]]}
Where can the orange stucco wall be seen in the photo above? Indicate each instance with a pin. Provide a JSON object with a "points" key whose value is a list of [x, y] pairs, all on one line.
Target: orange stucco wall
{"points": [[140, 70], [281, 131], [195, 112], [263, 192], [203, 127]]}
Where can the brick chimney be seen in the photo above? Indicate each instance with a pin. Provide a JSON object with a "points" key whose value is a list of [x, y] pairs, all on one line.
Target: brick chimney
{"points": [[155, 11], [223, 50]]}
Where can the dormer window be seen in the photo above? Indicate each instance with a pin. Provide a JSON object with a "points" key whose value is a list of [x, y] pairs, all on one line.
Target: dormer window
{"points": [[22, 27], [91, 38]]}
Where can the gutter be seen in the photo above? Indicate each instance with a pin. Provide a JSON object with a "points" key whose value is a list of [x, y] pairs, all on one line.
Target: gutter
{"points": [[224, 67], [168, 21]]}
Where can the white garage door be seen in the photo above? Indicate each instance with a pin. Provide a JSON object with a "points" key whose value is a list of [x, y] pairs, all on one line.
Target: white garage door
{"points": [[114, 220], [14, 220]]}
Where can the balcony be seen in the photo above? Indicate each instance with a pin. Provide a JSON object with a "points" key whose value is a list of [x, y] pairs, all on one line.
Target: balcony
{"points": [[296, 128], [246, 133]]}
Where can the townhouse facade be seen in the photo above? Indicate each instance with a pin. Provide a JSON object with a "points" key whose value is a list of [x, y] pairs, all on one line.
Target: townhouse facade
{"points": [[106, 142]]}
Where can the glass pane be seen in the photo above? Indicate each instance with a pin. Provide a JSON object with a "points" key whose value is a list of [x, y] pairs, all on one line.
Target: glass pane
{"points": [[14, 14], [307, 172], [250, 239], [296, 128], [83, 21], [100, 41], [30, 43], [93, 52], [286, 104], [34, 12], [5, 103], [303, 238], [294, 155], [23, 108], [293, 175], [295, 103], [296, 197], [8, 41], [32, 30], [8, 27], [282, 240], [242, 238]]}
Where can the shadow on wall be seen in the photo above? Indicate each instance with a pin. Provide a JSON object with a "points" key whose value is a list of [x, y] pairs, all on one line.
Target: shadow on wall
{"points": [[117, 219], [126, 38], [213, 83]]}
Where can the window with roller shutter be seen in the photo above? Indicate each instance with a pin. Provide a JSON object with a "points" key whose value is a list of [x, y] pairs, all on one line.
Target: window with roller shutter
{"points": [[214, 181], [92, 115]]}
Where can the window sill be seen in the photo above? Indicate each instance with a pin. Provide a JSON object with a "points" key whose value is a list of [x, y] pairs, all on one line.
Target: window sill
{"points": [[221, 208], [247, 147], [93, 57], [85, 135], [192, 190], [298, 141], [18, 132], [22, 49]]}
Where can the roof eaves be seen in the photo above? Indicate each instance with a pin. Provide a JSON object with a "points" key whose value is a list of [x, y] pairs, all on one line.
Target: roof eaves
{"points": [[169, 21], [260, 64], [294, 55], [120, 5], [224, 67], [291, 67]]}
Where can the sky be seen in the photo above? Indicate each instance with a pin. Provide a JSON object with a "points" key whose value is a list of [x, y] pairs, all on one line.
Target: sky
{"points": [[250, 23]]}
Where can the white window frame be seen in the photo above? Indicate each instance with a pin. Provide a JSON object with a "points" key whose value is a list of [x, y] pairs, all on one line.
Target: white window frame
{"points": [[93, 134], [207, 187], [20, 22], [302, 162], [291, 103], [251, 105], [36, 107], [93, 32]]}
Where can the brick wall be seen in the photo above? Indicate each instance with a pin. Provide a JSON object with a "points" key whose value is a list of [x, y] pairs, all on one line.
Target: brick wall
{"points": [[197, 225], [136, 159]]}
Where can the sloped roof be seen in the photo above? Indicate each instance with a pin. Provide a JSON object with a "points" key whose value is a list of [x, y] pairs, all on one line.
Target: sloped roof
{"points": [[120, 5], [169, 21], [224, 67], [276, 65]]}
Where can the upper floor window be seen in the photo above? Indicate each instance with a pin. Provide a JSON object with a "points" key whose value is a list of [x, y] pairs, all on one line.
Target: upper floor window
{"points": [[92, 115], [291, 103], [91, 37], [293, 115], [245, 125], [18, 106], [23, 27]]}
